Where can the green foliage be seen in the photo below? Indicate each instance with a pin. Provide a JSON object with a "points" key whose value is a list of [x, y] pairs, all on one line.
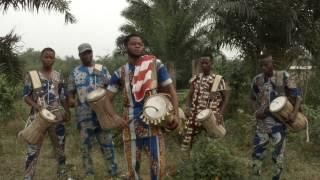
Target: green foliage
{"points": [[65, 66], [210, 159], [237, 76], [312, 88], [10, 66], [113, 63], [61, 6], [182, 97], [313, 115], [30, 59], [277, 26], [8, 94]]}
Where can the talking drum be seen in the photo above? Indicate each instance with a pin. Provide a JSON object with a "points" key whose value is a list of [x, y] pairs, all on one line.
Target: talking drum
{"points": [[181, 123], [97, 100], [281, 108], [158, 110], [209, 122], [36, 129]]}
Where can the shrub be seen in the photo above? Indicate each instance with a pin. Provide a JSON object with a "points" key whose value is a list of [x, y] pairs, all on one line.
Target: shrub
{"points": [[313, 115], [209, 159], [7, 97]]}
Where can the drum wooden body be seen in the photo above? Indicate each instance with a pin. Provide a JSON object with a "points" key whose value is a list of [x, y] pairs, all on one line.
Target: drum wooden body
{"points": [[36, 129], [96, 100], [158, 110], [281, 108], [209, 122]]}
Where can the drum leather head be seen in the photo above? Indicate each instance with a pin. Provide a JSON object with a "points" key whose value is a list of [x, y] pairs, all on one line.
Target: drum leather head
{"points": [[96, 94], [155, 107], [46, 114], [278, 103], [204, 114]]}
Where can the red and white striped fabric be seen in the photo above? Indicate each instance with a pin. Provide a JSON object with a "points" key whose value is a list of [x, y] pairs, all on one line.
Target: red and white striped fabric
{"points": [[142, 78]]}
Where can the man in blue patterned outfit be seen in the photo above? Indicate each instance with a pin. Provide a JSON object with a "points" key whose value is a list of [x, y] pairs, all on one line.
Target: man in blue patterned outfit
{"points": [[82, 80], [52, 97], [266, 87]]}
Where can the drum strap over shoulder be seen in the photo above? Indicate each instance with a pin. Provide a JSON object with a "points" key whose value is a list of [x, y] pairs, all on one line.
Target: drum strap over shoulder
{"points": [[35, 80], [97, 68], [278, 78], [154, 75], [216, 83], [192, 79], [122, 76]]}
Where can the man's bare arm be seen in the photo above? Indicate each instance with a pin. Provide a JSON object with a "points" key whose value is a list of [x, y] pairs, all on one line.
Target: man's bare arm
{"points": [[32, 103], [226, 97]]}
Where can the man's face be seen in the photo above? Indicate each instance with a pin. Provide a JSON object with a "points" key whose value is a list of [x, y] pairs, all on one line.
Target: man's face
{"points": [[205, 64], [267, 66], [135, 47], [86, 57], [48, 58]]}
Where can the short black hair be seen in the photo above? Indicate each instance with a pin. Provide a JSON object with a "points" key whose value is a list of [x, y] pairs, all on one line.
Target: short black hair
{"points": [[207, 55], [47, 49], [128, 37]]}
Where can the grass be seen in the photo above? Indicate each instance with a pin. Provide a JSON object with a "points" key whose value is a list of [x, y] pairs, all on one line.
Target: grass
{"points": [[301, 159]]}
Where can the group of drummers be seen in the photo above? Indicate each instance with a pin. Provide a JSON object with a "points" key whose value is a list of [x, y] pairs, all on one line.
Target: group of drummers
{"points": [[150, 108]]}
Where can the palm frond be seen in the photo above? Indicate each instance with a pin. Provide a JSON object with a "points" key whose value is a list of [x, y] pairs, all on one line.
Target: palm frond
{"points": [[61, 6], [10, 65], [240, 8]]}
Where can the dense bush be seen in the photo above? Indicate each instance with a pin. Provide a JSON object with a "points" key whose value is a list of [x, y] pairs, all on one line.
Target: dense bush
{"points": [[313, 115], [237, 76], [312, 88], [209, 159], [8, 94]]}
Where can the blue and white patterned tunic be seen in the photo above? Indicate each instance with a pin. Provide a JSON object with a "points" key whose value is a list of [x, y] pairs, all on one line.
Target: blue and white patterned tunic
{"points": [[82, 81]]}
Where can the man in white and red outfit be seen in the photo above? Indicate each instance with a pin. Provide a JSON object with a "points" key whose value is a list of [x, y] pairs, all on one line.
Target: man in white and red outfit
{"points": [[138, 79]]}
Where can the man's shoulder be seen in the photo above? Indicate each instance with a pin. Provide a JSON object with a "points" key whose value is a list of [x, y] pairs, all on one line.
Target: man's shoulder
{"points": [[159, 63], [280, 75], [213, 75], [258, 76], [281, 72], [77, 68], [193, 78], [121, 70], [57, 75], [122, 67]]}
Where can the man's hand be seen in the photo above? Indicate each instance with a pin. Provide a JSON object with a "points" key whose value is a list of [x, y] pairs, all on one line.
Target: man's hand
{"points": [[67, 116], [37, 107], [292, 117], [174, 124], [71, 102], [122, 123], [260, 115]]}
